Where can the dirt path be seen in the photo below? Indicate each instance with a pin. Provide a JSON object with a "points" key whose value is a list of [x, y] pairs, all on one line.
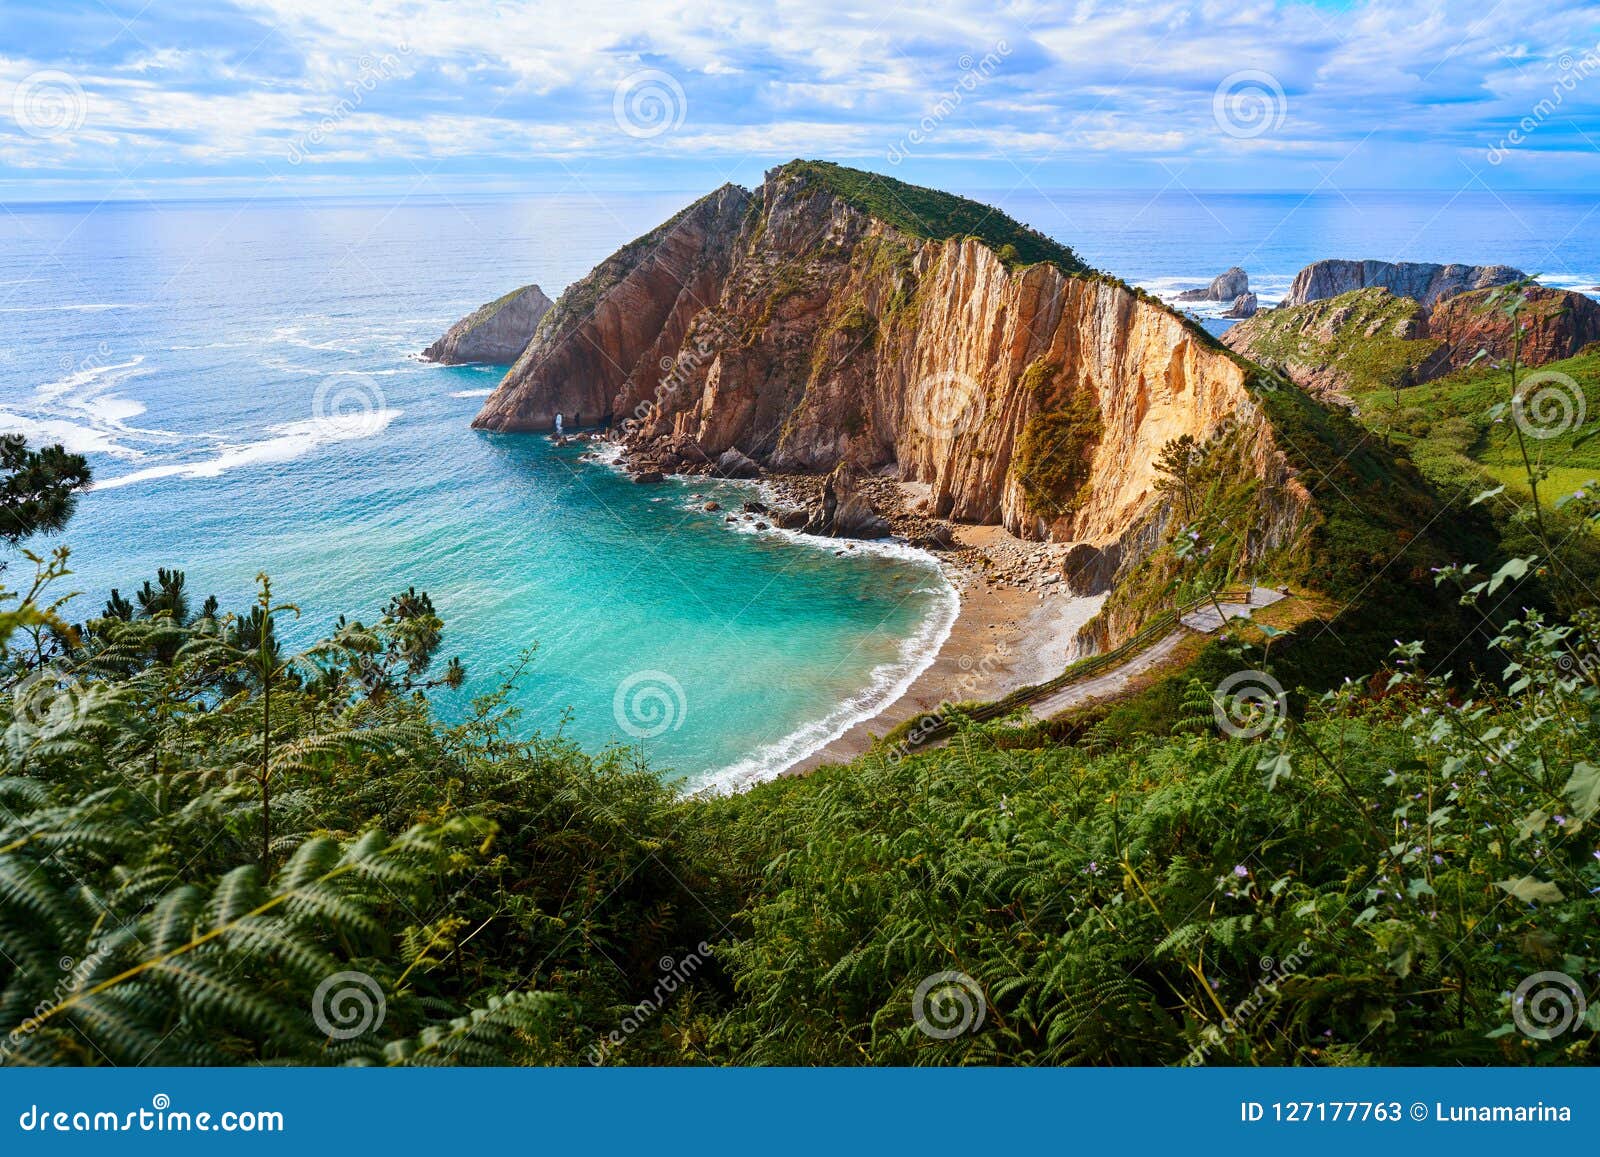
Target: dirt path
{"points": [[1113, 682]]}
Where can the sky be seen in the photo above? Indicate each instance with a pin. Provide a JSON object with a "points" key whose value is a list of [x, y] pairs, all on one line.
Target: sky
{"points": [[128, 99]]}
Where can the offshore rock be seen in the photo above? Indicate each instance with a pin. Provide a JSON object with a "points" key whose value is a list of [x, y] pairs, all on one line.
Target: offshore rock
{"points": [[1423, 282], [493, 334]]}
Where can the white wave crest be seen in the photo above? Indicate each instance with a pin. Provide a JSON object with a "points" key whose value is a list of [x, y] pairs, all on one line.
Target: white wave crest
{"points": [[288, 442]]}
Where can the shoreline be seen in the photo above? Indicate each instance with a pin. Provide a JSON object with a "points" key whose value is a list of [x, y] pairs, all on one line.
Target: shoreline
{"points": [[1003, 638], [1014, 623]]}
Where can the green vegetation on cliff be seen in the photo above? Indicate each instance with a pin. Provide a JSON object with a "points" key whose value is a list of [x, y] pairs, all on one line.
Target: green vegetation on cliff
{"points": [[938, 216], [1361, 340]]}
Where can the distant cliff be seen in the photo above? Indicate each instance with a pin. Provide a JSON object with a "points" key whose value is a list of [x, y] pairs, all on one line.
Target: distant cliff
{"points": [[1423, 282], [494, 334], [1371, 339]]}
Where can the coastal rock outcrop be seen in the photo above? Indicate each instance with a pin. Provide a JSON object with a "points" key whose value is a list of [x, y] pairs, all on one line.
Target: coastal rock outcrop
{"points": [[1243, 306], [1424, 282], [1371, 339], [493, 334], [844, 510], [815, 324], [612, 329], [1229, 285], [1337, 346], [1556, 324]]}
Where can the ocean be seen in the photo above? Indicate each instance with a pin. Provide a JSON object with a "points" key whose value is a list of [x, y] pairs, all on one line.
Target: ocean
{"points": [[243, 376]]}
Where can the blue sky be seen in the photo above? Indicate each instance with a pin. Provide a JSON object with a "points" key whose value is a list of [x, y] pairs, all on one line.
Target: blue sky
{"points": [[127, 99]]}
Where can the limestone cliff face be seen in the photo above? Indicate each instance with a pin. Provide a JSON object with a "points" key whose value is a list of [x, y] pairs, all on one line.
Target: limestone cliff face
{"points": [[620, 320], [1424, 282], [814, 334], [494, 334]]}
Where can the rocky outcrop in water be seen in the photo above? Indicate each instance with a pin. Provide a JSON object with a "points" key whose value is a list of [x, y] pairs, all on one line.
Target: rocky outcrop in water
{"points": [[812, 325], [1226, 286], [1423, 282], [493, 334], [1243, 306]]}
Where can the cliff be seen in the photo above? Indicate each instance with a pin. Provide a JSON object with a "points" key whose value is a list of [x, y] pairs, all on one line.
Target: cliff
{"points": [[1556, 324], [609, 331], [1370, 339], [950, 346], [494, 334], [1423, 282]]}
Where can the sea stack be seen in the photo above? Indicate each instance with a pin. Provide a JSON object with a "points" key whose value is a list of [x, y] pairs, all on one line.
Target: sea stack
{"points": [[493, 334], [1230, 285]]}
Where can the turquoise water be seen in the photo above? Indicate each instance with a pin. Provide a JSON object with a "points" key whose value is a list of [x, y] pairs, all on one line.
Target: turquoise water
{"points": [[244, 379], [242, 375]]}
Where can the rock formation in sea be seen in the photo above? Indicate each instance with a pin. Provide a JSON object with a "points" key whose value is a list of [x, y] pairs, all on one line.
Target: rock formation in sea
{"points": [[1423, 282], [493, 334], [1243, 306], [1229, 285]]}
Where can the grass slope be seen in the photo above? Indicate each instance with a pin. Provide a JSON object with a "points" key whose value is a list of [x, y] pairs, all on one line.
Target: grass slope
{"points": [[937, 216]]}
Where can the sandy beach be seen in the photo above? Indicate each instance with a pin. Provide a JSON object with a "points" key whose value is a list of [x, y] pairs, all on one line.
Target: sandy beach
{"points": [[1006, 635]]}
